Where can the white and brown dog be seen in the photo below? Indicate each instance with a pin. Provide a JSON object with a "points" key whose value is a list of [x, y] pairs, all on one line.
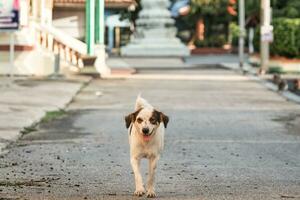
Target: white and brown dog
{"points": [[146, 128]]}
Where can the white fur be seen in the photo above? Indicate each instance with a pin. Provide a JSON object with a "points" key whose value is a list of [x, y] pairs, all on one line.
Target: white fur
{"points": [[139, 148], [142, 103]]}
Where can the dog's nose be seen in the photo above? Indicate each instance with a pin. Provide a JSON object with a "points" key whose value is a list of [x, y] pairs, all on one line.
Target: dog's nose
{"points": [[145, 130]]}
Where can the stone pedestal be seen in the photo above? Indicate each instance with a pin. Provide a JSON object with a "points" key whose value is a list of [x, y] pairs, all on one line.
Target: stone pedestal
{"points": [[155, 33], [100, 64]]}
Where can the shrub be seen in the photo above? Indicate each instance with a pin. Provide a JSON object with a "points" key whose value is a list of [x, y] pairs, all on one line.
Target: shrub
{"points": [[201, 43], [286, 37], [234, 32], [212, 41], [217, 40]]}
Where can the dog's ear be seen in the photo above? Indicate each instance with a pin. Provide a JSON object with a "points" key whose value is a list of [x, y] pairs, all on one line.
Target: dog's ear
{"points": [[164, 118], [131, 118], [128, 120]]}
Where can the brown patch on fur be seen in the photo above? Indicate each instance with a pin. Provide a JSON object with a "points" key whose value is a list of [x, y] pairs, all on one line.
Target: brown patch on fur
{"points": [[160, 117], [165, 119], [131, 118], [155, 118]]}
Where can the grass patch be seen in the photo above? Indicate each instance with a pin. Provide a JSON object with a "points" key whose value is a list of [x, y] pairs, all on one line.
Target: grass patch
{"points": [[51, 115], [281, 70], [275, 70], [29, 129]]}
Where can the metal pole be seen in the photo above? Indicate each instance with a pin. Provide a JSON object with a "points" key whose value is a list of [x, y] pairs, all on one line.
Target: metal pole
{"points": [[264, 44], [242, 32], [110, 38], [90, 26], [250, 41], [11, 54], [56, 64]]}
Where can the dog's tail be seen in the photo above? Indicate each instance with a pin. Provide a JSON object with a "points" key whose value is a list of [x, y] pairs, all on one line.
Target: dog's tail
{"points": [[141, 103]]}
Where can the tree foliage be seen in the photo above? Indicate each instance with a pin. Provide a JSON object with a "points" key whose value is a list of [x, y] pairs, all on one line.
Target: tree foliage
{"points": [[212, 11], [286, 8], [208, 7]]}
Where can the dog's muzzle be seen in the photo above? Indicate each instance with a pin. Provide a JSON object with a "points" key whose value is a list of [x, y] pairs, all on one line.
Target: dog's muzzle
{"points": [[147, 134], [146, 131]]}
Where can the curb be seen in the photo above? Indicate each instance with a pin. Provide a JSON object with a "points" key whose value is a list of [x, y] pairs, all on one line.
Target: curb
{"points": [[17, 133], [252, 74]]}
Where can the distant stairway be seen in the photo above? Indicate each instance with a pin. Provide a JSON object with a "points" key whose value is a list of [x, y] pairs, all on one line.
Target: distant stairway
{"points": [[70, 49]]}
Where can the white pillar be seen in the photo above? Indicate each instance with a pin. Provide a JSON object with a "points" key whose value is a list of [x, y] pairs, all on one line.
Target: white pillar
{"points": [[46, 12], [100, 63], [42, 12], [35, 9]]}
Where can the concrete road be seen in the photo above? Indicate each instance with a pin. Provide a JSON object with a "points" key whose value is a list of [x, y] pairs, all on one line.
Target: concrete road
{"points": [[24, 101], [228, 138]]}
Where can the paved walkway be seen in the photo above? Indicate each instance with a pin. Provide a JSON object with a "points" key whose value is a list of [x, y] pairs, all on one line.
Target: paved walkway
{"points": [[173, 63], [25, 101], [228, 138]]}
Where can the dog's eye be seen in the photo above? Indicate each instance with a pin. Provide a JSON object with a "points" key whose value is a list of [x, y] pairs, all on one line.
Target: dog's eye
{"points": [[152, 120], [139, 120]]}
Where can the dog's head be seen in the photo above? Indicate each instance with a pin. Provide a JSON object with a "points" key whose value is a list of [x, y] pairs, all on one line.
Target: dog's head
{"points": [[146, 121]]}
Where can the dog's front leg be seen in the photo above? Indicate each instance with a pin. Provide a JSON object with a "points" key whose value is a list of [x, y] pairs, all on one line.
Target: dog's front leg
{"points": [[139, 188], [151, 176]]}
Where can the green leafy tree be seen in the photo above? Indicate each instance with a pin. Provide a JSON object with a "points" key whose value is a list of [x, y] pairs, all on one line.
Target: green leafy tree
{"points": [[209, 10], [208, 7], [286, 8], [208, 17]]}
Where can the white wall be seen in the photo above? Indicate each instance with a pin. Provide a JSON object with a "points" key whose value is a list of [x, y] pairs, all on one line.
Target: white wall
{"points": [[70, 21]]}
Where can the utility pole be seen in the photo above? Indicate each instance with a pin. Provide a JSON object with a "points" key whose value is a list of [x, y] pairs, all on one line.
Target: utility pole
{"points": [[90, 26], [242, 32], [266, 34]]}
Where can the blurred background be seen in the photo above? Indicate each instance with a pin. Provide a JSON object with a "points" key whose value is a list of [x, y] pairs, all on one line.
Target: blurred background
{"points": [[70, 28]]}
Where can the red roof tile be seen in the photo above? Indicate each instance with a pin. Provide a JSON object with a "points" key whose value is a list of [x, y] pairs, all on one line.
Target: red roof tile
{"points": [[108, 3]]}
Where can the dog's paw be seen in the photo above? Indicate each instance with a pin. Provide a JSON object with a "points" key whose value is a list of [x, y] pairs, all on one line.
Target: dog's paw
{"points": [[139, 193], [151, 194]]}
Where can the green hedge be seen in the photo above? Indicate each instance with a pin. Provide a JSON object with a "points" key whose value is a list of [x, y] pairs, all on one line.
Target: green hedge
{"points": [[234, 32], [286, 37], [211, 41]]}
